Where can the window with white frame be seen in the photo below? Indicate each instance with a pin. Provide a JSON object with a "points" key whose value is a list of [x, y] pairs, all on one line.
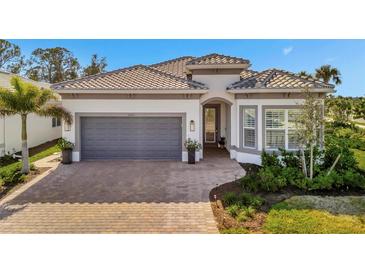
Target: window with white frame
{"points": [[280, 128], [249, 127], [56, 122]]}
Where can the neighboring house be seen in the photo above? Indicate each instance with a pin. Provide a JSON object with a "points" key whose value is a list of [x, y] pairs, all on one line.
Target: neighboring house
{"points": [[40, 129], [147, 112]]}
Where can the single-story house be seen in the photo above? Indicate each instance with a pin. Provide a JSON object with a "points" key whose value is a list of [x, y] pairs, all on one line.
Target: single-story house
{"points": [[147, 112], [40, 129]]}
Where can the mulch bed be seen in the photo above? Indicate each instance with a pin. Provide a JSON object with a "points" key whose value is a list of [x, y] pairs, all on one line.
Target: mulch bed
{"points": [[5, 190], [226, 221]]}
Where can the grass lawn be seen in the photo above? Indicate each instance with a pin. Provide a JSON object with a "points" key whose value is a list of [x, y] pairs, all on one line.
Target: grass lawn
{"points": [[360, 157], [36, 157], [317, 215]]}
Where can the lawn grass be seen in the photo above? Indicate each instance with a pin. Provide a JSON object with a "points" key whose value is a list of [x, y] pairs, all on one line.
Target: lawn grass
{"points": [[360, 157], [307, 221], [317, 215], [49, 151]]}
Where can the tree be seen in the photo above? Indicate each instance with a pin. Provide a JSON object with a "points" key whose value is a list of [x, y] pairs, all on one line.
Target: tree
{"points": [[309, 123], [97, 65], [340, 109], [303, 73], [25, 99], [52, 65], [10, 57], [326, 73], [359, 108]]}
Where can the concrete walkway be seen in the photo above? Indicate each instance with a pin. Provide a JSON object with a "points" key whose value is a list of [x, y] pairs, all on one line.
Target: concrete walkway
{"points": [[119, 197]]}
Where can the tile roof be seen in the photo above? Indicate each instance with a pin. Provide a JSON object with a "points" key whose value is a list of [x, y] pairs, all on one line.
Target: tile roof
{"points": [[247, 73], [275, 78], [175, 67], [217, 59], [138, 77]]}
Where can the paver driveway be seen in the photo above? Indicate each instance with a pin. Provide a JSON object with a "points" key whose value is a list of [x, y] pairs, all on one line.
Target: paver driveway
{"points": [[121, 197]]}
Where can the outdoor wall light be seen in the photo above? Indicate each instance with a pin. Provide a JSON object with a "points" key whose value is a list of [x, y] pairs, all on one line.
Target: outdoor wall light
{"points": [[67, 126], [192, 126]]}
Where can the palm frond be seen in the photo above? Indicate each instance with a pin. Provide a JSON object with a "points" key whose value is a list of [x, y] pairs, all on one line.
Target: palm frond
{"points": [[53, 110]]}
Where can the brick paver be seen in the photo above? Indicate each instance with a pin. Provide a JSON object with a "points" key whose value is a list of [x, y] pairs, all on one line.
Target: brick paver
{"points": [[120, 197]]}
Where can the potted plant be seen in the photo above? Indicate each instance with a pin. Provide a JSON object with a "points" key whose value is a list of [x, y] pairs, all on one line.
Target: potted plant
{"points": [[66, 148], [192, 146]]}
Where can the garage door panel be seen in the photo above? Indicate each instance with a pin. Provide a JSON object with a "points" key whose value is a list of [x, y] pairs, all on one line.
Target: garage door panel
{"points": [[131, 138]]}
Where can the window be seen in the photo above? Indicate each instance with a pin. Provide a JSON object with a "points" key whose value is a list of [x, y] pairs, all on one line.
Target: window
{"points": [[293, 141], [56, 122], [249, 127], [280, 128], [275, 128]]}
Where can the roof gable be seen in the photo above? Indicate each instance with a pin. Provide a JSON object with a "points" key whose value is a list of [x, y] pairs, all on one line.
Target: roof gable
{"points": [[175, 67], [275, 78], [138, 77], [217, 59]]}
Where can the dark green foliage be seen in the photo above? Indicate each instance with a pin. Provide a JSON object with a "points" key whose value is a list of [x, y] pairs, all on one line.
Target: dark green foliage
{"points": [[12, 176], [270, 179], [230, 198], [347, 160], [250, 182], [270, 159], [249, 200], [290, 159]]}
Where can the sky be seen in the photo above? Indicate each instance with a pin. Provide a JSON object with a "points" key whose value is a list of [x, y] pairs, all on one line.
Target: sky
{"points": [[292, 55]]}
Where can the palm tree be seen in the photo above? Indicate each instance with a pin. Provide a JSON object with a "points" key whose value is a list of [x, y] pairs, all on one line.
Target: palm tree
{"points": [[326, 73], [303, 73], [25, 99]]}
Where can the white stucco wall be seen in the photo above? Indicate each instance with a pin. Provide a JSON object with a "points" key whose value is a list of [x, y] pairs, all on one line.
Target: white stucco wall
{"points": [[39, 129], [190, 107]]}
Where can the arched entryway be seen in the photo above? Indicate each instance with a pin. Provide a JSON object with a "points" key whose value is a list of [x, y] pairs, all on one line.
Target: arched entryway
{"points": [[216, 127]]}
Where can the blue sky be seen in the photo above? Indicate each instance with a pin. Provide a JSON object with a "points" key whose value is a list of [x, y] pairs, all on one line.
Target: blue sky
{"points": [[293, 55]]}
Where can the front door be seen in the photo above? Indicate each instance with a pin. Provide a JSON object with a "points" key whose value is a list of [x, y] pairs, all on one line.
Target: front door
{"points": [[211, 125]]}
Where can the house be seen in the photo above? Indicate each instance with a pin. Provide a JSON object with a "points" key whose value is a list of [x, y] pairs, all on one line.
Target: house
{"points": [[147, 112], [40, 129]]}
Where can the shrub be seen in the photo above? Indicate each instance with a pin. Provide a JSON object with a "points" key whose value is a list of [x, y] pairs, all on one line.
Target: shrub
{"points": [[270, 179], [354, 180], [234, 210], [324, 181], [242, 217], [250, 182], [230, 198], [249, 211], [347, 161], [249, 200], [12, 176], [270, 160], [290, 159]]}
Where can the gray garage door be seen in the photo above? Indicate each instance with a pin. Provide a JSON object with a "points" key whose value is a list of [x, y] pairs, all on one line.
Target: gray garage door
{"points": [[131, 138]]}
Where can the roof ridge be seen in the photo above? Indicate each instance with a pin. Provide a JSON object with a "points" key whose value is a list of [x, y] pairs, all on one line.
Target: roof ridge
{"points": [[171, 60], [176, 77], [216, 54], [313, 80]]}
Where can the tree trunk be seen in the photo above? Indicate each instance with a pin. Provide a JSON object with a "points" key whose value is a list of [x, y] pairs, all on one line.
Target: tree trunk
{"points": [[311, 163], [304, 163], [25, 152]]}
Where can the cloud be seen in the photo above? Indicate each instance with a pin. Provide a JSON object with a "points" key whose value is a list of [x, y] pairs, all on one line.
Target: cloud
{"points": [[287, 50]]}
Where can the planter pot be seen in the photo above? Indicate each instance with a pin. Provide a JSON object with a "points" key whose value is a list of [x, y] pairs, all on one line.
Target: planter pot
{"points": [[67, 156], [191, 156]]}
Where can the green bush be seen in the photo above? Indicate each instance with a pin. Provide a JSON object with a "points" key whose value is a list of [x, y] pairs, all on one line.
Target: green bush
{"points": [[250, 182], [234, 210], [230, 198], [249, 200], [270, 160], [270, 179], [290, 159], [12, 176]]}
